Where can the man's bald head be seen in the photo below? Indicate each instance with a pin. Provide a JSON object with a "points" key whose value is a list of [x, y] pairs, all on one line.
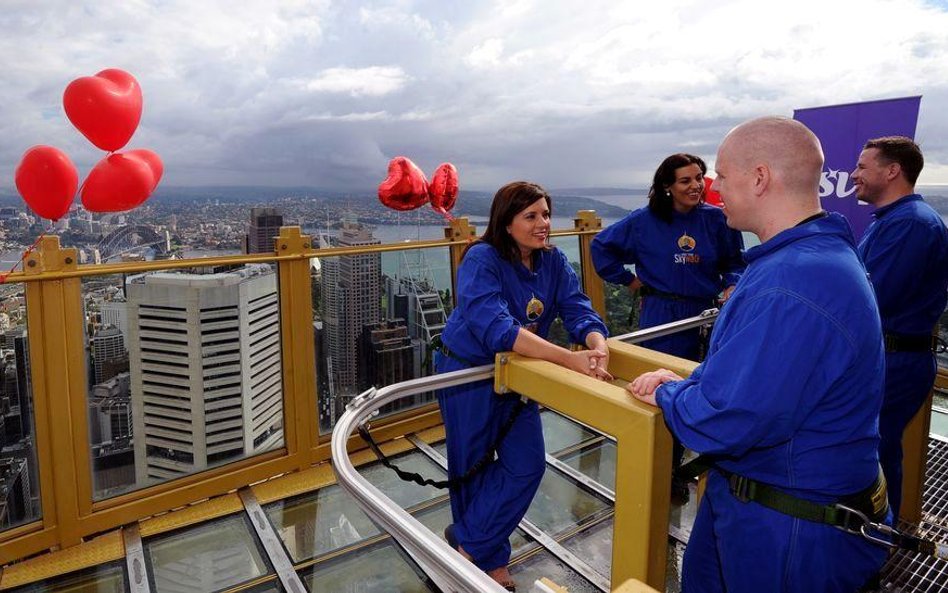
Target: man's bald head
{"points": [[788, 148]]}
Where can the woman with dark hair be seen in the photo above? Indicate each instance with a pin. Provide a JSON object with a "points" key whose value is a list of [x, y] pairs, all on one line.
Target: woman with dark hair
{"points": [[511, 286], [684, 256], [683, 252]]}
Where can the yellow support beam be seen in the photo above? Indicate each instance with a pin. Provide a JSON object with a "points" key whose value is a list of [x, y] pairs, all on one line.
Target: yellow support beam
{"points": [[915, 455], [459, 230], [300, 431], [643, 461], [593, 285]]}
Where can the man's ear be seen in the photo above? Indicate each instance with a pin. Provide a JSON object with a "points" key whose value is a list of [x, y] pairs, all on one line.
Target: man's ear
{"points": [[763, 177], [892, 171]]}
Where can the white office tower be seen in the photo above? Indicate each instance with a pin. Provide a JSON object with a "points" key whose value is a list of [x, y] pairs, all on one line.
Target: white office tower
{"points": [[205, 363], [114, 313], [351, 300]]}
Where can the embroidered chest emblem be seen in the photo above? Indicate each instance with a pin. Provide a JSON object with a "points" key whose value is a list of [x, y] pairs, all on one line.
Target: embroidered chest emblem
{"points": [[534, 308], [686, 242]]}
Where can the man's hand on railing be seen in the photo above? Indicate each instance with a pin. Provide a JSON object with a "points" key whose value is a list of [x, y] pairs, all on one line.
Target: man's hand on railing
{"points": [[643, 387]]}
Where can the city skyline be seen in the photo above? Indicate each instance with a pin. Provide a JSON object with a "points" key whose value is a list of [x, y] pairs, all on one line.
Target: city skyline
{"points": [[593, 94]]}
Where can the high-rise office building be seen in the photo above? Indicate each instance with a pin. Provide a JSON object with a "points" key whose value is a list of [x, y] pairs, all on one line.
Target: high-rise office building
{"points": [[351, 300], [386, 354], [265, 224], [109, 356], [205, 362], [114, 313], [16, 501]]}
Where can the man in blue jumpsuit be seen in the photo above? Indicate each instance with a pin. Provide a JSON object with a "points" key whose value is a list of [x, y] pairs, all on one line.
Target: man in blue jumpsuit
{"points": [[905, 251], [788, 398], [497, 300]]}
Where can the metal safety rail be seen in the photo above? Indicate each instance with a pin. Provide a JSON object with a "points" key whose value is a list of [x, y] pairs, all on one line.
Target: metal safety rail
{"points": [[703, 319], [445, 566]]}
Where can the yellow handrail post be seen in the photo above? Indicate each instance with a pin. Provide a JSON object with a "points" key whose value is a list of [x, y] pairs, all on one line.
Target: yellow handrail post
{"points": [[55, 337], [300, 409], [915, 450], [593, 286], [644, 445], [458, 230]]}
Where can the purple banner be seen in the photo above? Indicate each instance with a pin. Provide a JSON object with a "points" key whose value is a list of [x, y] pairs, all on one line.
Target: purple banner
{"points": [[843, 130]]}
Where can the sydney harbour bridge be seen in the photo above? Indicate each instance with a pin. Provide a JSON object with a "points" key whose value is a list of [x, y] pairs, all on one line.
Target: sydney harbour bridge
{"points": [[132, 239]]}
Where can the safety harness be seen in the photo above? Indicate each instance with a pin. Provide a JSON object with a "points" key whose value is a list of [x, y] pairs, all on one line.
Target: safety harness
{"points": [[476, 467], [861, 513]]}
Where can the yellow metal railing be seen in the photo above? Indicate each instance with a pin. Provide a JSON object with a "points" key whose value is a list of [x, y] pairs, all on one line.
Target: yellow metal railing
{"points": [[52, 279], [643, 446]]}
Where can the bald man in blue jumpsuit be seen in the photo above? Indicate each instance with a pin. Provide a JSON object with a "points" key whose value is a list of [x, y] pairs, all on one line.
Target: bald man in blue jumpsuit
{"points": [[791, 389], [495, 299], [905, 251]]}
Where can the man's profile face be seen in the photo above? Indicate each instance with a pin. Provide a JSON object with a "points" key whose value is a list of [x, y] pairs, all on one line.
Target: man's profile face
{"points": [[869, 178], [734, 186]]}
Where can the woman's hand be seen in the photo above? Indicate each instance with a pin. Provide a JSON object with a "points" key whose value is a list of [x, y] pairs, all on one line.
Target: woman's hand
{"points": [[590, 362], [596, 342], [643, 387], [635, 285], [727, 293]]}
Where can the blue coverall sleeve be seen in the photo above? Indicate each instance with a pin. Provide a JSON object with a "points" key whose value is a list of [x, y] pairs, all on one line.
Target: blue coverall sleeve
{"points": [[889, 261], [732, 260], [574, 306], [755, 388], [480, 297], [612, 248]]}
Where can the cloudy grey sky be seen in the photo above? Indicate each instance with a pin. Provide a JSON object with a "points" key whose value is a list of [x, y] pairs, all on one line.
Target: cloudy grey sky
{"points": [[567, 92]]}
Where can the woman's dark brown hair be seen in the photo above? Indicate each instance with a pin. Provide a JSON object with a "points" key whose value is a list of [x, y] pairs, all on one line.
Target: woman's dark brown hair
{"points": [[509, 201]]}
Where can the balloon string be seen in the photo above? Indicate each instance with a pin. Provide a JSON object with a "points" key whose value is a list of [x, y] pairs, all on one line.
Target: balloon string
{"points": [[3, 275]]}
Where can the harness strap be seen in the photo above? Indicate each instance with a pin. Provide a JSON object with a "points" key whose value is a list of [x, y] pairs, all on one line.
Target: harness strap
{"points": [[456, 481], [647, 291], [910, 343]]}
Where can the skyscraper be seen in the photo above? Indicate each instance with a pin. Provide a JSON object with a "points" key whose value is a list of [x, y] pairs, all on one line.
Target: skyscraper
{"points": [[205, 362], [351, 300], [109, 356], [265, 224]]}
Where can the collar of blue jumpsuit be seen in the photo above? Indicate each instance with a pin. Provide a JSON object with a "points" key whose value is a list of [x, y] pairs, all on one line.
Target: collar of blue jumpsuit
{"points": [[890, 207], [833, 224], [522, 270]]}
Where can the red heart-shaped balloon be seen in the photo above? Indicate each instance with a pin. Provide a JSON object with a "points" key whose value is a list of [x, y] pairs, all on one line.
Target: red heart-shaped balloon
{"points": [[121, 181], [106, 107], [405, 188], [443, 189], [47, 180]]}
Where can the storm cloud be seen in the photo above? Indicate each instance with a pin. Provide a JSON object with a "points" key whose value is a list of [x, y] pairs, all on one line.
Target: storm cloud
{"points": [[571, 93]]}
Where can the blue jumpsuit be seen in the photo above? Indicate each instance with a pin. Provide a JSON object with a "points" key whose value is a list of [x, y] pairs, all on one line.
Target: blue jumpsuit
{"points": [[492, 300], [694, 257], [789, 395], [905, 251]]}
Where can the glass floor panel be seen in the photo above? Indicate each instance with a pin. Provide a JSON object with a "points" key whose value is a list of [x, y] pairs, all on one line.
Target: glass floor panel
{"points": [[598, 461], [405, 494], [383, 567], [319, 522], [561, 504], [545, 565], [208, 557], [560, 432], [594, 546], [106, 578], [438, 517]]}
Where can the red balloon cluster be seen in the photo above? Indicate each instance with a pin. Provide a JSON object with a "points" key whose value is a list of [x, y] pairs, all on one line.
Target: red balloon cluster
{"points": [[406, 187], [106, 109]]}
